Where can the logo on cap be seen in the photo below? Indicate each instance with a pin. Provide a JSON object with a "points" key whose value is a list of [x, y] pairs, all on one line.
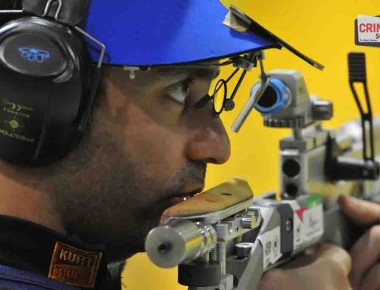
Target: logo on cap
{"points": [[34, 54]]}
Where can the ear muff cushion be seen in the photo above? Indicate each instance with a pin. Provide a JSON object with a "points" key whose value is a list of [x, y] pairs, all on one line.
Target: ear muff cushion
{"points": [[45, 80]]}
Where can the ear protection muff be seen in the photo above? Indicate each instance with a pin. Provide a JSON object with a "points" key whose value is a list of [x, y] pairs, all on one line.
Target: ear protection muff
{"points": [[45, 83]]}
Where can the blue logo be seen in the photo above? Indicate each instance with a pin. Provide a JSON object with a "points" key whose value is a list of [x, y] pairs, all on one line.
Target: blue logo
{"points": [[34, 54]]}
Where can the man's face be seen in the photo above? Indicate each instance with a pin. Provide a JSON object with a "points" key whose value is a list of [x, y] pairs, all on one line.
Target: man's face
{"points": [[146, 150]]}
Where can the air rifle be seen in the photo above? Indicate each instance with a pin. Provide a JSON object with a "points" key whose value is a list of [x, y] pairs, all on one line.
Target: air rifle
{"points": [[225, 239]]}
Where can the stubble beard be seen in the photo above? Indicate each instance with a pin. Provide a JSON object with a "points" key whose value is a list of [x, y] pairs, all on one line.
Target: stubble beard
{"points": [[115, 206]]}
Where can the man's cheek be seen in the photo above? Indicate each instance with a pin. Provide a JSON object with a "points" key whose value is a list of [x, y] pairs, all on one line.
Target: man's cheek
{"points": [[156, 148]]}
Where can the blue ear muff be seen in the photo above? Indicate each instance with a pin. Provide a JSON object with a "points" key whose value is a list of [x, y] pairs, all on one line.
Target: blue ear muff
{"points": [[45, 79], [274, 98]]}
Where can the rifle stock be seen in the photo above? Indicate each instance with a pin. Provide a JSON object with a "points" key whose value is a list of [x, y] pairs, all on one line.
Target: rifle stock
{"points": [[231, 246]]}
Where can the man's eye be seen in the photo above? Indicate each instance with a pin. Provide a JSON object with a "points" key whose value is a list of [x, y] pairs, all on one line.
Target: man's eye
{"points": [[179, 92]]}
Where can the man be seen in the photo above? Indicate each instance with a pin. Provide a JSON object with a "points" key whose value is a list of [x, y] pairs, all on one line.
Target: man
{"points": [[146, 148]]}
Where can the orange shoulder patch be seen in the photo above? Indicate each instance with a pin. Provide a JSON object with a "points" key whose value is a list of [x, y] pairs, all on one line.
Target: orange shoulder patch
{"points": [[74, 266]]}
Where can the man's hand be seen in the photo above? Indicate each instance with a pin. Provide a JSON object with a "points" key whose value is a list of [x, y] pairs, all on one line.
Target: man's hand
{"points": [[365, 254], [327, 267]]}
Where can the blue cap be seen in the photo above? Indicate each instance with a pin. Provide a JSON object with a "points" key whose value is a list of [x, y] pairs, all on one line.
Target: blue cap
{"points": [[156, 32]]}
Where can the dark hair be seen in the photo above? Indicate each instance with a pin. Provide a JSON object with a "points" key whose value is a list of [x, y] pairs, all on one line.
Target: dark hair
{"points": [[10, 4]]}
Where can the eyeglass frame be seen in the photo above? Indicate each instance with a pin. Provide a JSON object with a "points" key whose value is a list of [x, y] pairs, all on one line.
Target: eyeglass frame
{"points": [[245, 62]]}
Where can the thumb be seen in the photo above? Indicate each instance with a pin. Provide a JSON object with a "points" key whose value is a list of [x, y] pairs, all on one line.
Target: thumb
{"points": [[360, 211], [334, 253]]}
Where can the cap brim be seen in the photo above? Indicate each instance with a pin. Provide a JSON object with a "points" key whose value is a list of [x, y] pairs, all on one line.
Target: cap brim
{"points": [[148, 33]]}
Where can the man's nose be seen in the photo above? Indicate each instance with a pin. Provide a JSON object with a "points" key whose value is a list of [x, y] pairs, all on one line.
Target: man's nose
{"points": [[209, 143]]}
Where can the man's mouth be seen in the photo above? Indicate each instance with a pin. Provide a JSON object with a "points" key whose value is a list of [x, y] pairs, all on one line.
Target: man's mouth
{"points": [[183, 197]]}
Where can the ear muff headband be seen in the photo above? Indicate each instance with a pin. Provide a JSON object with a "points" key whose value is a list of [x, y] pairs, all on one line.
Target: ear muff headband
{"points": [[45, 81]]}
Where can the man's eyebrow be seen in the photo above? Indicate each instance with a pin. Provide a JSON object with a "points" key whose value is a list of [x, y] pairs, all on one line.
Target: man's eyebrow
{"points": [[206, 73]]}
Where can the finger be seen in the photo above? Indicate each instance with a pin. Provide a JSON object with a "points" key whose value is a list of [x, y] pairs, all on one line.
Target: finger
{"points": [[336, 254], [360, 211], [273, 280], [331, 262], [372, 279], [312, 250], [364, 255]]}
